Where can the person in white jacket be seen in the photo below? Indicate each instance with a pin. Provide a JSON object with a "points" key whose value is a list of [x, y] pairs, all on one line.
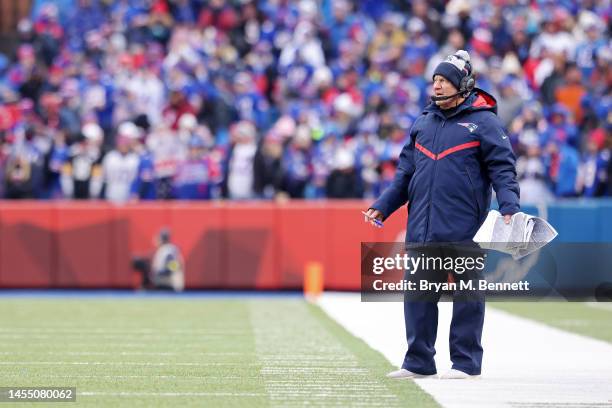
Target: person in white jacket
{"points": [[120, 166]]}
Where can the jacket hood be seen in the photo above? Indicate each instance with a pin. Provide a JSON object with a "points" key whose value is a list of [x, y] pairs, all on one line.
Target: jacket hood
{"points": [[477, 100]]}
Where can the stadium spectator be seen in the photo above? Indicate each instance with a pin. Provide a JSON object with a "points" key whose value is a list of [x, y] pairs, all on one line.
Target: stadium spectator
{"points": [[120, 166], [24, 167], [561, 161], [510, 102], [561, 128], [240, 162], [552, 70], [430, 16], [167, 150], [218, 14], [344, 181], [81, 174], [144, 186], [531, 175], [526, 128], [193, 179], [337, 67], [593, 42], [593, 176], [571, 92], [297, 164], [178, 106], [268, 167]]}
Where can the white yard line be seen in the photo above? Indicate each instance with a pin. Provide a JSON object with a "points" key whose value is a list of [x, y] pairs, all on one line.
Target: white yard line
{"points": [[66, 344], [601, 305], [126, 363], [168, 394], [525, 363], [117, 336], [128, 331], [221, 378], [118, 353]]}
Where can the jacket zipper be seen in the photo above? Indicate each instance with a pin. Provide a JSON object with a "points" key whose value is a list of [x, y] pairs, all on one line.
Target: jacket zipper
{"points": [[432, 183]]}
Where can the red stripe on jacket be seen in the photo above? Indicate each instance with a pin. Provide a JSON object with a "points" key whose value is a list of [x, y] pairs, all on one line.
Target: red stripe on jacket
{"points": [[446, 152], [425, 151]]}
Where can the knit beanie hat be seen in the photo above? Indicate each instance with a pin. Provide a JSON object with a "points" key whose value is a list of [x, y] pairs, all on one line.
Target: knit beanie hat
{"points": [[455, 67]]}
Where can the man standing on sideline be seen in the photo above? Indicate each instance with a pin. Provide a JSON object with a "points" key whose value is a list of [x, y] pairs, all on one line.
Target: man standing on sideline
{"points": [[456, 152]]}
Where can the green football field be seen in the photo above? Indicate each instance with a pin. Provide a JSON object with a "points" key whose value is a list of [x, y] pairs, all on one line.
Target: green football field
{"points": [[244, 352], [586, 318], [237, 351]]}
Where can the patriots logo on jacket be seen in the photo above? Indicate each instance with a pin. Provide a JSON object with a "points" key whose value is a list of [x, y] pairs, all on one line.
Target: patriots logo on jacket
{"points": [[469, 126]]}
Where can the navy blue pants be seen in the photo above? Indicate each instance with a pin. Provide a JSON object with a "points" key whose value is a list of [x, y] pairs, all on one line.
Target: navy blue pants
{"points": [[465, 336], [421, 318]]}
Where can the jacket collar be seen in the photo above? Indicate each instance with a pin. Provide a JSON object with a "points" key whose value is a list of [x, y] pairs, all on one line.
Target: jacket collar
{"points": [[477, 100]]}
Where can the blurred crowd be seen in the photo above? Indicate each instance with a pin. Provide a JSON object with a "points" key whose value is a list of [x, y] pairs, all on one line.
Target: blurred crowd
{"points": [[205, 99]]}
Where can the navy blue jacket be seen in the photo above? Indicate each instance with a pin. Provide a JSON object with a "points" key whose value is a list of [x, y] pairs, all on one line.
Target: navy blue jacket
{"points": [[446, 171]]}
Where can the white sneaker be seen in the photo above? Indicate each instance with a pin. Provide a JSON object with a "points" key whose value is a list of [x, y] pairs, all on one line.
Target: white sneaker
{"points": [[402, 373], [453, 374]]}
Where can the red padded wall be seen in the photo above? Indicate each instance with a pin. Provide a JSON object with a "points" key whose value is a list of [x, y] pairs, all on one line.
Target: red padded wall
{"points": [[246, 245], [27, 245]]}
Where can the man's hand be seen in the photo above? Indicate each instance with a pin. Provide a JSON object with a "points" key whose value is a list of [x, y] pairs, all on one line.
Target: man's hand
{"points": [[371, 214], [507, 218]]}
